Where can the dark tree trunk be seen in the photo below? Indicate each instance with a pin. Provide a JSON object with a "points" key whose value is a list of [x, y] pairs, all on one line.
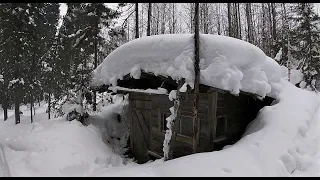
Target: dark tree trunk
{"points": [[249, 22], [5, 106], [274, 30], [95, 63], [6, 93], [31, 113], [5, 113], [219, 23], [235, 19], [229, 21], [149, 19], [263, 33], [197, 78], [16, 108], [239, 20], [137, 21], [163, 28], [49, 105], [173, 20], [270, 30]]}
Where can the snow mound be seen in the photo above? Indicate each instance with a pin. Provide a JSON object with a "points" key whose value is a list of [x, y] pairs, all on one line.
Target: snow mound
{"points": [[227, 63], [281, 141], [54, 147]]}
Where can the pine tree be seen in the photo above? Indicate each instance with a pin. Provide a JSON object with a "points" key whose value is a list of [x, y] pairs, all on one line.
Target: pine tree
{"points": [[81, 41], [14, 23], [306, 39]]}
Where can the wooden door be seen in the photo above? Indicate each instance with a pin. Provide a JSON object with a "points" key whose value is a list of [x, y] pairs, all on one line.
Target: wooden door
{"points": [[140, 128]]}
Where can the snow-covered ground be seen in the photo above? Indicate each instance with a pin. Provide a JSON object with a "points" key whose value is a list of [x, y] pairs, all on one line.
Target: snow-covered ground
{"points": [[282, 141], [53, 147]]}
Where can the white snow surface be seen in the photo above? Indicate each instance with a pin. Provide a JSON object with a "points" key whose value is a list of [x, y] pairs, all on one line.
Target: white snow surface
{"points": [[282, 141], [53, 147], [226, 63], [148, 91]]}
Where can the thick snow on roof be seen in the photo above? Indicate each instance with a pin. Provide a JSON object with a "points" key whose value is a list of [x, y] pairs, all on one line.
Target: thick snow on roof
{"points": [[226, 63]]}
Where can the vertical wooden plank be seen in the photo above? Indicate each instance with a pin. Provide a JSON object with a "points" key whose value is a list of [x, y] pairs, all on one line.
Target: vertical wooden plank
{"points": [[200, 117], [159, 120], [131, 123], [211, 97], [214, 116]]}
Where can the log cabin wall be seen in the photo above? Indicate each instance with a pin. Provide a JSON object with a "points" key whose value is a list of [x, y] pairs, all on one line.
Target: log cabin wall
{"points": [[155, 108], [223, 119]]}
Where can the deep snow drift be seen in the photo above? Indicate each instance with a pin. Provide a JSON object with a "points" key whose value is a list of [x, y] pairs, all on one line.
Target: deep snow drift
{"points": [[282, 141], [227, 63], [54, 147]]}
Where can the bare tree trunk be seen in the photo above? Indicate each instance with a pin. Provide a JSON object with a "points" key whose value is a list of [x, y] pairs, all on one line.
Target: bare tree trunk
{"points": [[6, 93], [158, 18], [149, 19], [5, 113], [249, 22], [128, 24], [163, 18], [173, 20], [141, 20], [263, 33], [219, 19], [16, 108], [137, 20], [239, 20], [5, 106], [191, 17], [95, 62], [197, 78], [49, 105], [270, 29], [235, 20], [230, 21], [274, 29], [205, 18], [31, 104]]}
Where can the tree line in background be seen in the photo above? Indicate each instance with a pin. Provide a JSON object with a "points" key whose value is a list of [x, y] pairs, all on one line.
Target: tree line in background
{"points": [[281, 30], [39, 60]]}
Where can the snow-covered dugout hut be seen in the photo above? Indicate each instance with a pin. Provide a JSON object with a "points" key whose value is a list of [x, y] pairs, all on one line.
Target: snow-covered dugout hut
{"points": [[236, 80]]}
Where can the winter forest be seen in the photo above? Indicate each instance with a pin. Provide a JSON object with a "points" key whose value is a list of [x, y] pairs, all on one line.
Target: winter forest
{"points": [[48, 57], [40, 60]]}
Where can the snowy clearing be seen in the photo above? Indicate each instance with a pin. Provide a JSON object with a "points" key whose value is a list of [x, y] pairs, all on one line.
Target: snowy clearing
{"points": [[282, 141]]}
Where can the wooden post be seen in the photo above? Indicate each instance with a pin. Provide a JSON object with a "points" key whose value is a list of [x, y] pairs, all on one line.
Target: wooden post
{"points": [[175, 123], [196, 79]]}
